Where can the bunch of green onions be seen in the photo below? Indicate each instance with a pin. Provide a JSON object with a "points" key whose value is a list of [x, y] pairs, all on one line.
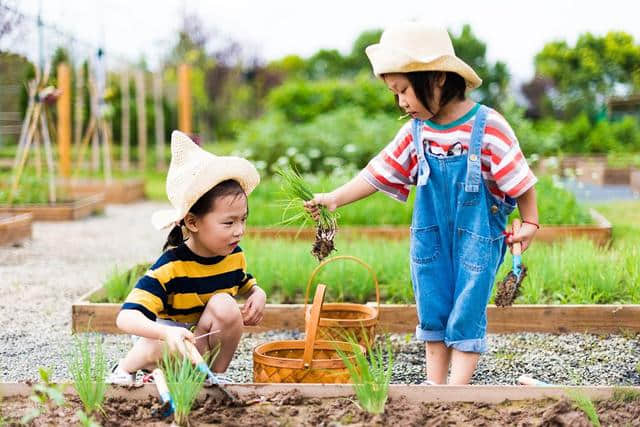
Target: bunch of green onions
{"points": [[297, 192]]}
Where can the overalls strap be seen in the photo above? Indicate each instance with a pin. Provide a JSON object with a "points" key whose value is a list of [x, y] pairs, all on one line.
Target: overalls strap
{"points": [[423, 166], [474, 170]]}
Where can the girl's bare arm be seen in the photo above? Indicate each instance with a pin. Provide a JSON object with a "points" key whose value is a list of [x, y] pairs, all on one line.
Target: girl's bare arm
{"points": [[350, 192], [528, 212]]}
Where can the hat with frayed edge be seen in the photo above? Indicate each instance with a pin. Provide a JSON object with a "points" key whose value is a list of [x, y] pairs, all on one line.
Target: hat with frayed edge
{"points": [[194, 171], [415, 46]]}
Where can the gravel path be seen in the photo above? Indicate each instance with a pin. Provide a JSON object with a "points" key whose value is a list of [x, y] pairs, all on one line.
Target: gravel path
{"points": [[41, 279]]}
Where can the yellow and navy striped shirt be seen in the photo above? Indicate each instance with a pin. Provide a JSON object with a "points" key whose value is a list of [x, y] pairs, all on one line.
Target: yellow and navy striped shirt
{"points": [[178, 286]]}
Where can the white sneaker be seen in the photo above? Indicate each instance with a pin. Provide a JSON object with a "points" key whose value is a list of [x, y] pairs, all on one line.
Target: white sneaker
{"points": [[218, 379], [120, 376]]}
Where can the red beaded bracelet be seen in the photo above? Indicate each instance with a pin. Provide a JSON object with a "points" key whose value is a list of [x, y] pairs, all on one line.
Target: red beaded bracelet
{"points": [[532, 223]]}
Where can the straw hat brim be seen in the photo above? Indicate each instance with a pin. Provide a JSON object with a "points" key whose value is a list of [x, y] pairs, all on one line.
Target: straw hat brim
{"points": [[385, 59], [209, 175]]}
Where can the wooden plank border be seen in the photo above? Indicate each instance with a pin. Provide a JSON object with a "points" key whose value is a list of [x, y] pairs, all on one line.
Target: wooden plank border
{"points": [[117, 191], [77, 209], [600, 233], [413, 393], [402, 318], [15, 228]]}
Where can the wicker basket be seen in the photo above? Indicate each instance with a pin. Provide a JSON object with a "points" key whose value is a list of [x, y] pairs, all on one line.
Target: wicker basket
{"points": [[307, 361], [341, 320]]}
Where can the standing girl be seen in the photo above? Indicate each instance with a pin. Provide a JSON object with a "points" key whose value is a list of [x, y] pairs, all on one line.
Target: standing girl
{"points": [[469, 172], [190, 289]]}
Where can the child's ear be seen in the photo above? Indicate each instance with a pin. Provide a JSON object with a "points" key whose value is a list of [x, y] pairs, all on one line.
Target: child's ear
{"points": [[442, 78], [191, 222]]}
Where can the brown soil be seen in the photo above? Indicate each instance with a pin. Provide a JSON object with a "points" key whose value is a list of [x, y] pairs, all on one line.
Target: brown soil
{"points": [[292, 409]]}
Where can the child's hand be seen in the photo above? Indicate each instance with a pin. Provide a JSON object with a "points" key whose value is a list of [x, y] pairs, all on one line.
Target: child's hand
{"points": [[524, 236], [253, 309], [320, 199], [174, 336]]}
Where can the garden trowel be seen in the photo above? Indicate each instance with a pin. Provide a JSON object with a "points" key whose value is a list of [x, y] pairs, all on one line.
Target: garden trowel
{"points": [[509, 288], [202, 366], [168, 406]]}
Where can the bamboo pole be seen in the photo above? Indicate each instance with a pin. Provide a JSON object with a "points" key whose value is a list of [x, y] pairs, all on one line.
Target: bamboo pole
{"points": [[142, 120], [125, 120], [46, 142], [106, 151], [78, 113], [184, 99], [159, 120], [23, 155], [64, 120], [25, 123]]}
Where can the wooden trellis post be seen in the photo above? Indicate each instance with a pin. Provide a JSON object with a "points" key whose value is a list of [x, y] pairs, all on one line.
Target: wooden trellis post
{"points": [[64, 120], [184, 99], [159, 120], [78, 108], [125, 120], [142, 120]]}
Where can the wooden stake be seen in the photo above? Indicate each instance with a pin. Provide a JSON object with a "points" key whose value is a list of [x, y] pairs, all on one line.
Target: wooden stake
{"points": [[106, 151], [159, 120], [142, 120], [64, 120], [95, 140], [184, 99], [125, 121], [23, 155], [46, 140], [78, 113]]}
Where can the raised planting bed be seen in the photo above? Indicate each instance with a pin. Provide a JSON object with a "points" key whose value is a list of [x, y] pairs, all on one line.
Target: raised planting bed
{"points": [[595, 170], [14, 228], [117, 191], [396, 318], [635, 180], [63, 211], [322, 404], [599, 233]]}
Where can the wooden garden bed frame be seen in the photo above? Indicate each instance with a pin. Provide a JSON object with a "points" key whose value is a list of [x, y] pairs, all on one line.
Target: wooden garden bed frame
{"points": [[77, 209], [413, 393], [599, 233], [635, 180], [402, 318], [14, 228], [117, 191], [595, 170]]}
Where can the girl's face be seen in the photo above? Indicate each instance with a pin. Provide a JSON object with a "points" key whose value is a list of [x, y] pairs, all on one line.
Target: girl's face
{"points": [[407, 99], [218, 232]]}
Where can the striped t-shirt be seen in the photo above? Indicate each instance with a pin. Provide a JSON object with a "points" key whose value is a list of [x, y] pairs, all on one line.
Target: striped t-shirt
{"points": [[178, 286], [504, 168]]}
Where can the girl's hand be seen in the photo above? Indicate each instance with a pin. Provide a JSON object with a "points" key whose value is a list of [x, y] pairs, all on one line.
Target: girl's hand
{"points": [[253, 309], [174, 336], [321, 199], [524, 236]]}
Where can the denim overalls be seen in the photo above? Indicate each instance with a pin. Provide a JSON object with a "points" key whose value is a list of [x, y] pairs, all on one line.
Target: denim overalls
{"points": [[457, 243]]}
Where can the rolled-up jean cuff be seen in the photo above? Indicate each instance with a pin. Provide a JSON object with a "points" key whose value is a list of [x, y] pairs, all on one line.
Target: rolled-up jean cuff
{"points": [[477, 345], [424, 335]]}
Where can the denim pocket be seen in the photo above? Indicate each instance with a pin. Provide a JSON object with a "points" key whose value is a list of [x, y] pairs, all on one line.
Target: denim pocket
{"points": [[467, 198], [425, 244], [474, 250]]}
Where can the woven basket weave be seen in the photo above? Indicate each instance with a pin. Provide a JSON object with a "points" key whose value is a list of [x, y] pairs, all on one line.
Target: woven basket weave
{"points": [[307, 361], [339, 321]]}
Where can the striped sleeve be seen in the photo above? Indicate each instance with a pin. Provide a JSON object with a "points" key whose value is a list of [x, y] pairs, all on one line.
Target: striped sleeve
{"points": [[509, 168], [394, 169], [148, 296], [248, 281]]}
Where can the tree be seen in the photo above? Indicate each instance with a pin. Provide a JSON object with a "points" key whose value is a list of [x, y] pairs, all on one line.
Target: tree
{"points": [[586, 74], [10, 19], [495, 77]]}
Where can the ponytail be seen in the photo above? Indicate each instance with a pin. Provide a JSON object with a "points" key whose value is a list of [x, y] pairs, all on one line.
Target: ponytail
{"points": [[175, 238]]}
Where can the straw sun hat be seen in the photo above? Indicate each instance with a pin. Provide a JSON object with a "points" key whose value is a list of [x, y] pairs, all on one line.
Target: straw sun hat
{"points": [[194, 171], [414, 46]]}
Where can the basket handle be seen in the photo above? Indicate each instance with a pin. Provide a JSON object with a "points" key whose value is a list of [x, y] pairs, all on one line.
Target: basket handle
{"points": [[312, 327], [335, 258]]}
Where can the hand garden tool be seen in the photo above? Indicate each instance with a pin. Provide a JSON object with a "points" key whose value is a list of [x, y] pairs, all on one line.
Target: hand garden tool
{"points": [[168, 406], [207, 334], [196, 358], [509, 288]]}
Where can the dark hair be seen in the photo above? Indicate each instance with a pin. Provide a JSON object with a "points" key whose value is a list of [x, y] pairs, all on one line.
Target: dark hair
{"points": [[203, 206], [423, 82]]}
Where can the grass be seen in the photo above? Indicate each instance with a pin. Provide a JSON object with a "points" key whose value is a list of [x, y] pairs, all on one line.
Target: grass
{"points": [[184, 381], [370, 373], [585, 404], [119, 283], [625, 395], [88, 370]]}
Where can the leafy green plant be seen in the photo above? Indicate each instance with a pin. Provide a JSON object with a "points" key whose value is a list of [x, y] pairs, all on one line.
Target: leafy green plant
{"points": [[46, 395], [88, 372], [120, 283], [370, 373], [585, 404], [184, 381], [626, 395], [86, 420]]}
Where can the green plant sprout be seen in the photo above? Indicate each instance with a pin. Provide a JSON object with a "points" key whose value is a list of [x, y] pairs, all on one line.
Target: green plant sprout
{"points": [[86, 420], [184, 381], [46, 395], [370, 373], [585, 404], [88, 372], [296, 192], [120, 283]]}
